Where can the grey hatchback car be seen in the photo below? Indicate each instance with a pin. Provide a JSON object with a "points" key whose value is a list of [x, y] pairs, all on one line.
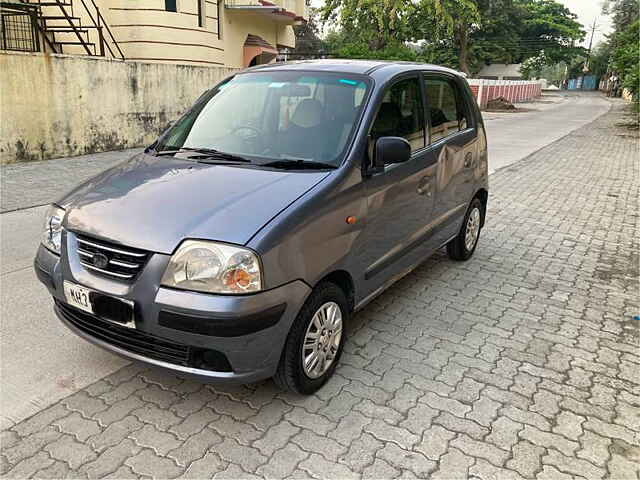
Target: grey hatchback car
{"points": [[239, 244]]}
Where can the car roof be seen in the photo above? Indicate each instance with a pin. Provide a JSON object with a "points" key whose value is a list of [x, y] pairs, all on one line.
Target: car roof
{"points": [[362, 67]]}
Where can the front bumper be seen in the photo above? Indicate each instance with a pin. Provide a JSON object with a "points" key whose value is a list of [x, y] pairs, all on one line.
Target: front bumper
{"points": [[215, 337]]}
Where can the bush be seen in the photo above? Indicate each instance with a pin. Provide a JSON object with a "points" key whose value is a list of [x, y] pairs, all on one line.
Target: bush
{"points": [[397, 52], [626, 57]]}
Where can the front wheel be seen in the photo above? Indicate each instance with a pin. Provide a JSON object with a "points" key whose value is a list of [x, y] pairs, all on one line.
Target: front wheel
{"points": [[315, 342], [464, 244]]}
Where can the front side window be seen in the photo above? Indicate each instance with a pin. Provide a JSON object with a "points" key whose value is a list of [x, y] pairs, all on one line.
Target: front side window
{"points": [[401, 114], [268, 116], [446, 114]]}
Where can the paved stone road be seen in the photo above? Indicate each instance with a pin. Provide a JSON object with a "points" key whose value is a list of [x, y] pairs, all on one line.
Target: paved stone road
{"points": [[522, 363], [25, 186]]}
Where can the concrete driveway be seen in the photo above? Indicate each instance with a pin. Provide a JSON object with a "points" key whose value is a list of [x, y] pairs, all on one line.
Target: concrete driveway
{"points": [[513, 136]]}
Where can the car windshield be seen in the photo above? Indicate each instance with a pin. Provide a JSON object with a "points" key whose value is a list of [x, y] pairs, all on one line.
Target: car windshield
{"points": [[274, 116]]}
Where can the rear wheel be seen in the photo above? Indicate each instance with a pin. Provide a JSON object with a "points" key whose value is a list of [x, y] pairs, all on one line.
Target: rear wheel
{"points": [[465, 243], [315, 342]]}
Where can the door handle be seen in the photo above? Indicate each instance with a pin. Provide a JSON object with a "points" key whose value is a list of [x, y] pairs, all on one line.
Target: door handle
{"points": [[468, 160], [424, 186]]}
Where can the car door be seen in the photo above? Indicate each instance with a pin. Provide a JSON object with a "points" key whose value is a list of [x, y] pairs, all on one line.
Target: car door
{"points": [[400, 197], [453, 142]]}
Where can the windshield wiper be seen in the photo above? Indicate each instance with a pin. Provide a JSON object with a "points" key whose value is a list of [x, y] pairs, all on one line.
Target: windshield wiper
{"points": [[205, 154], [291, 164]]}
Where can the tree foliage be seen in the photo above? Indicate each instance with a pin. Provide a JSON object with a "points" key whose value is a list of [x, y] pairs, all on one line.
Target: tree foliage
{"points": [[623, 12], [308, 41], [448, 19], [626, 57], [554, 27], [461, 33], [499, 40], [600, 59], [533, 66], [623, 46], [374, 23]]}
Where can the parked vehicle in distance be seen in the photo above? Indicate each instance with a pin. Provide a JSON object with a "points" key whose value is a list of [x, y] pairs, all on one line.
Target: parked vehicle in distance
{"points": [[239, 244]]}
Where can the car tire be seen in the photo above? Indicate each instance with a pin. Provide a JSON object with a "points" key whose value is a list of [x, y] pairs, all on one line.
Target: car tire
{"points": [[292, 375], [461, 248]]}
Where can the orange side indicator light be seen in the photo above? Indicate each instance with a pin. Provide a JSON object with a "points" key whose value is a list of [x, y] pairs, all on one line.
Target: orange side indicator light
{"points": [[351, 220]]}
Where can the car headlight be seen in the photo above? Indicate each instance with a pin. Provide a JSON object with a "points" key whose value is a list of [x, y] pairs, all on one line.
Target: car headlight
{"points": [[52, 231], [213, 267]]}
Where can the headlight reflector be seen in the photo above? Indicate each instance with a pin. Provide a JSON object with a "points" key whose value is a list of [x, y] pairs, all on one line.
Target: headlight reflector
{"points": [[213, 267], [52, 231]]}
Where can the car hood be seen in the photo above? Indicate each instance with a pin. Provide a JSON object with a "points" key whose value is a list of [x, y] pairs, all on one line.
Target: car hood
{"points": [[153, 203]]}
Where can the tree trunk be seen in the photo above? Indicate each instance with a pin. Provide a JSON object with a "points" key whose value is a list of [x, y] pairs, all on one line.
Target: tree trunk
{"points": [[462, 39], [379, 42]]}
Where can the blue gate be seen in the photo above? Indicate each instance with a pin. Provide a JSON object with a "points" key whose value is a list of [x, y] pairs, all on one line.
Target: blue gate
{"points": [[589, 82]]}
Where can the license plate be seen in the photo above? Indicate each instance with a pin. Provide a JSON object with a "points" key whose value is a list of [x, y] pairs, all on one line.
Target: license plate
{"points": [[78, 296]]}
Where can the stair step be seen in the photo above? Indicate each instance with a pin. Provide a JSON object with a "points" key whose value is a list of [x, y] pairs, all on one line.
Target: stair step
{"points": [[58, 17], [74, 43], [68, 29]]}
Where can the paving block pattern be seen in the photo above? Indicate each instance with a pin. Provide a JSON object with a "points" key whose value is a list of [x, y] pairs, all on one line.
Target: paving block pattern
{"points": [[519, 364]]}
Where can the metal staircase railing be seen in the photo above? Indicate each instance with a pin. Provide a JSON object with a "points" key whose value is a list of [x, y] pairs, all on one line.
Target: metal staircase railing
{"points": [[72, 25], [102, 24], [19, 27]]}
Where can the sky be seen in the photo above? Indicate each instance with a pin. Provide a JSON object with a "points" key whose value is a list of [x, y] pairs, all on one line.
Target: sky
{"points": [[587, 11]]}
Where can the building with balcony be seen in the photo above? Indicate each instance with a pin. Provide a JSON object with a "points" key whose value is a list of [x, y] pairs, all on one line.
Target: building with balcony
{"points": [[229, 33]]}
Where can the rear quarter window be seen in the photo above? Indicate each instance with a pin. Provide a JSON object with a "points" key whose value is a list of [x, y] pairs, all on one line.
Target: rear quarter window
{"points": [[447, 110]]}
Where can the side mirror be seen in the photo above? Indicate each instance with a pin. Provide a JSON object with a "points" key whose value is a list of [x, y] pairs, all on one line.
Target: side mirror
{"points": [[390, 150]]}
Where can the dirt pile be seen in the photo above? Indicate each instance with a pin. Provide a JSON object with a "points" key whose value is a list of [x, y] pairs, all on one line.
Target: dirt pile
{"points": [[500, 103]]}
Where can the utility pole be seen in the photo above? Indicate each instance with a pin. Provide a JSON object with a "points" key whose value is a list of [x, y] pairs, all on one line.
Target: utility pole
{"points": [[593, 31]]}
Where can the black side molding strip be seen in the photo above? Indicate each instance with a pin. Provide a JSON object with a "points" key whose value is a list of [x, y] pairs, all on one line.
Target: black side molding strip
{"points": [[372, 272], [43, 275], [221, 326]]}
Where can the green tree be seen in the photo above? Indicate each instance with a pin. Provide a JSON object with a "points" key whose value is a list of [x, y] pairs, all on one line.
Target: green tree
{"points": [[600, 58], [623, 12], [624, 43], [626, 57], [460, 33], [533, 66], [554, 28], [499, 38], [501, 31], [341, 45], [441, 20], [555, 73], [376, 23], [308, 42], [441, 52]]}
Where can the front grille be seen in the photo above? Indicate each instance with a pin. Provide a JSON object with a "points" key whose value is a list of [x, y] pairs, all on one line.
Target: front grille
{"points": [[128, 339], [110, 259]]}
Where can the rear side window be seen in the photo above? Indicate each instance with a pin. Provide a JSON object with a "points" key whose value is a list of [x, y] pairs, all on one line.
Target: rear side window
{"points": [[446, 110], [400, 114]]}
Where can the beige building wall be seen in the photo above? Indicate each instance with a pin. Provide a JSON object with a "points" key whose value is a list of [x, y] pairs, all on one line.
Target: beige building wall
{"points": [[62, 105], [238, 24], [145, 31]]}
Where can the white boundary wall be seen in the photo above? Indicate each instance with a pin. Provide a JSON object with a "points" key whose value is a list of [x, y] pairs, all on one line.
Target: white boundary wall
{"points": [[513, 90]]}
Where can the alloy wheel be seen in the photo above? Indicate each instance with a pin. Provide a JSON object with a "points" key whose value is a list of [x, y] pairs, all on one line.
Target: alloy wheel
{"points": [[322, 340], [473, 229]]}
